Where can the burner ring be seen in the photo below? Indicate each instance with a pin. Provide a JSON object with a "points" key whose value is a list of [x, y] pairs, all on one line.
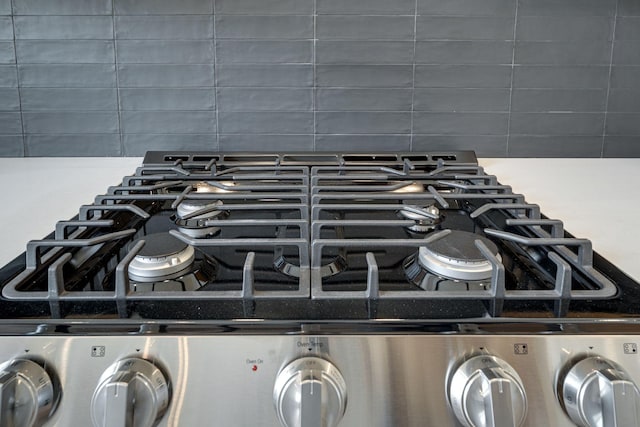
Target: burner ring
{"points": [[455, 256], [162, 257]]}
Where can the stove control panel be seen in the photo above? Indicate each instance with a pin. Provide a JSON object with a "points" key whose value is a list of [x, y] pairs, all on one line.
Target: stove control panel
{"points": [[310, 392], [235, 378], [27, 394], [133, 392], [598, 392], [486, 391]]}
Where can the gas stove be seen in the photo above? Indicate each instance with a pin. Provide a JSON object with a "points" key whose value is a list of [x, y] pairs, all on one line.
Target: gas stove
{"points": [[316, 289]]}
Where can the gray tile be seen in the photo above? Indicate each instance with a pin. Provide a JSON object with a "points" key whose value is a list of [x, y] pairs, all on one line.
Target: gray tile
{"points": [[363, 99], [62, 7], [567, 7], [10, 123], [470, 76], [94, 145], [464, 52], [364, 52], [11, 146], [555, 146], [557, 123], [364, 75], [137, 145], [558, 100], [628, 8], [483, 145], [264, 27], [167, 99], [563, 53], [68, 99], [168, 122], [5, 7], [8, 76], [257, 51], [58, 75], [364, 27], [165, 51], [628, 28], [626, 52], [460, 123], [393, 143], [266, 143], [266, 122], [9, 100], [265, 75], [467, 7], [162, 7], [363, 122], [565, 28], [174, 27], [625, 76], [70, 122], [6, 28], [461, 100], [624, 101], [623, 124], [166, 75], [544, 76], [65, 51], [622, 146], [369, 7], [264, 99], [264, 7], [63, 27], [464, 28], [7, 53]]}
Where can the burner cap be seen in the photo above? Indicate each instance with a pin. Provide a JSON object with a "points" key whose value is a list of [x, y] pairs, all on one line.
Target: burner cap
{"points": [[162, 257], [190, 206], [455, 256]]}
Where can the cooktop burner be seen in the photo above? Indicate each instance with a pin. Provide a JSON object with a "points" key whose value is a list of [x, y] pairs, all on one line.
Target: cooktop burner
{"points": [[315, 236]]}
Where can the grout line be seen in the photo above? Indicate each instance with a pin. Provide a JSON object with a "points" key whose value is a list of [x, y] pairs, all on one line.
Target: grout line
{"points": [[115, 62], [314, 88], [606, 99], [25, 151], [215, 74], [513, 61], [413, 72]]}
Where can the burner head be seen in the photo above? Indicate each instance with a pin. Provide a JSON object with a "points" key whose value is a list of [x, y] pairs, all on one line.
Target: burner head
{"points": [[426, 219], [410, 187], [162, 257], [222, 187], [194, 226], [455, 256]]}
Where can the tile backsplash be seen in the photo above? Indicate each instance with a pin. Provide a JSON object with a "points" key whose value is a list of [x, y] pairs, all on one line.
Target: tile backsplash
{"points": [[503, 77]]}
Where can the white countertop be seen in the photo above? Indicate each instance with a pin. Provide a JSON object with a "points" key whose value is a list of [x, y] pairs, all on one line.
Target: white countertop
{"points": [[595, 198]]}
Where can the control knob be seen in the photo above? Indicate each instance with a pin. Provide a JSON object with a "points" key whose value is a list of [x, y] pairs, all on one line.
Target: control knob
{"points": [[310, 392], [133, 392], [597, 392], [27, 394], [486, 391]]}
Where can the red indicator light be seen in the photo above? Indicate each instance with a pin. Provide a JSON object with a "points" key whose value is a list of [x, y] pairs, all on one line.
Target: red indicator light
{"points": [[254, 368]]}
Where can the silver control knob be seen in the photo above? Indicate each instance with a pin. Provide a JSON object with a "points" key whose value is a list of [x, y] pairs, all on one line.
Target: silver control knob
{"points": [[27, 395], [133, 392], [486, 391], [310, 392], [597, 392]]}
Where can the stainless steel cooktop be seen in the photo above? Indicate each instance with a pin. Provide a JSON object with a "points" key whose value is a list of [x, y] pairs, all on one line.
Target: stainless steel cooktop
{"points": [[315, 289]]}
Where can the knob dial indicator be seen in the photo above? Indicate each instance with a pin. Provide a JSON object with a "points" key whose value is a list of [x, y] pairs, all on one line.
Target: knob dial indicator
{"points": [[133, 392], [486, 391], [310, 392], [597, 392], [27, 394]]}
